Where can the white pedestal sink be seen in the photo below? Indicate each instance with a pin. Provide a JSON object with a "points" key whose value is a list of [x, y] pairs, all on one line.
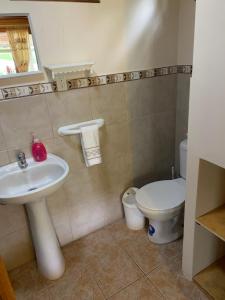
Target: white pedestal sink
{"points": [[30, 186]]}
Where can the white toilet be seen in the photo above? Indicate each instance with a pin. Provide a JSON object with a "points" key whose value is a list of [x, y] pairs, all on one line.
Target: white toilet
{"points": [[162, 202]]}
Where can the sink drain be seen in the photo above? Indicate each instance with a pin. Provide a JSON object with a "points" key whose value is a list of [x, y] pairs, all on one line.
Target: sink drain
{"points": [[32, 189]]}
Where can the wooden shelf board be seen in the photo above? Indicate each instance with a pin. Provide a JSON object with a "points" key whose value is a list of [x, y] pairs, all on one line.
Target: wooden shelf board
{"points": [[212, 280], [214, 222]]}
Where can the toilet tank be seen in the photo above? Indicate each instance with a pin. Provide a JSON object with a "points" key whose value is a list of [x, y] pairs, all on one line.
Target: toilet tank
{"points": [[183, 158]]}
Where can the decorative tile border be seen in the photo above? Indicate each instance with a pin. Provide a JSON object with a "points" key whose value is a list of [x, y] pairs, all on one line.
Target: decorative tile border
{"points": [[30, 90], [51, 87]]}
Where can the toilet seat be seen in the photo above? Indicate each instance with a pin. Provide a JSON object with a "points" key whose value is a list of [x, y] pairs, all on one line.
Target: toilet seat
{"points": [[162, 199]]}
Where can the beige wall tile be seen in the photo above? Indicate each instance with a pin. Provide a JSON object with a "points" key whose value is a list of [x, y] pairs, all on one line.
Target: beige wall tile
{"points": [[99, 181], [154, 95], [69, 108], [69, 148], [116, 140], [166, 89], [141, 96], [21, 117], [64, 232], [12, 218], [13, 153], [183, 89], [2, 139], [94, 214], [80, 186], [59, 211], [182, 113], [50, 144], [4, 158], [16, 248], [164, 143], [153, 139], [137, 144], [57, 202], [109, 102], [83, 186], [143, 154], [87, 228], [118, 173], [113, 209], [88, 211]]}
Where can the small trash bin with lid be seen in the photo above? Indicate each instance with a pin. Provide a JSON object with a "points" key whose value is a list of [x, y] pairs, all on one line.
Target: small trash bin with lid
{"points": [[135, 220]]}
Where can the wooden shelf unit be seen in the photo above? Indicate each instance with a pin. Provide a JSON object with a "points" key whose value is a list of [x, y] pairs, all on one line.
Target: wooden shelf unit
{"points": [[212, 280], [214, 222]]}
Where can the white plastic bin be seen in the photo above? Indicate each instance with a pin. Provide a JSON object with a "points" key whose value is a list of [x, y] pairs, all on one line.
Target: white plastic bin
{"points": [[135, 220]]}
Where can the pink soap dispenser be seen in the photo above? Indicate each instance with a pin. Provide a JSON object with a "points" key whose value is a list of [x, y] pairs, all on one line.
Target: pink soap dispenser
{"points": [[38, 150]]}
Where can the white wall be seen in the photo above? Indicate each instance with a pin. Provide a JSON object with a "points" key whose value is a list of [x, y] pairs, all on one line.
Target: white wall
{"points": [[186, 30], [138, 34], [207, 112]]}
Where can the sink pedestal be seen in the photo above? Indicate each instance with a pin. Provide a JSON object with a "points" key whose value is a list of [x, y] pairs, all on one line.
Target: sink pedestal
{"points": [[48, 253]]}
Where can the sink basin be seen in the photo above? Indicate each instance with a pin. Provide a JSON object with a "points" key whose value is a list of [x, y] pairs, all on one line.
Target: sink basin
{"points": [[30, 186], [39, 179]]}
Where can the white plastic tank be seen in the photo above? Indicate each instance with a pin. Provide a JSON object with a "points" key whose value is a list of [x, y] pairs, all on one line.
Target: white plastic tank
{"points": [[183, 158]]}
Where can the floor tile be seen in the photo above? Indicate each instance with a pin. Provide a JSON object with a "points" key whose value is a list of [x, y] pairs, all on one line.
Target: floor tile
{"points": [[114, 270], [172, 284], [142, 289], [78, 285], [145, 254], [82, 250], [108, 264], [28, 283], [122, 234], [111, 263], [42, 295]]}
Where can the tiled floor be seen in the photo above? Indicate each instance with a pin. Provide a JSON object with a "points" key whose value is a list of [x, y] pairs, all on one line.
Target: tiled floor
{"points": [[113, 263]]}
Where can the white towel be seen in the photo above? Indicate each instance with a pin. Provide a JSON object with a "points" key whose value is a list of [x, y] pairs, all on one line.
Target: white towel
{"points": [[90, 145]]}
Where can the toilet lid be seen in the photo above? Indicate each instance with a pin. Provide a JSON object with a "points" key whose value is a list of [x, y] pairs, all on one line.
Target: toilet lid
{"points": [[162, 195]]}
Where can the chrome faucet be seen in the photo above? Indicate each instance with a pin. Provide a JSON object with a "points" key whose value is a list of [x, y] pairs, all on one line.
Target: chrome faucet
{"points": [[21, 159]]}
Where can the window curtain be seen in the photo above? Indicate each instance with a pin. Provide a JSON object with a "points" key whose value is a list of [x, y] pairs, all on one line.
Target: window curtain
{"points": [[19, 43]]}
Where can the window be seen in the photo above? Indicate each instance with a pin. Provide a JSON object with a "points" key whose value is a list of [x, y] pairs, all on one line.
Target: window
{"points": [[17, 51]]}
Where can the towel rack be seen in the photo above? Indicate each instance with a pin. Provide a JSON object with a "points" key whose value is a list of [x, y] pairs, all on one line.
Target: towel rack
{"points": [[76, 128]]}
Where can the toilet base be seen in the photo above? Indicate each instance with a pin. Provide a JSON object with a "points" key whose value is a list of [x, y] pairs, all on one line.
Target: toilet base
{"points": [[163, 232]]}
